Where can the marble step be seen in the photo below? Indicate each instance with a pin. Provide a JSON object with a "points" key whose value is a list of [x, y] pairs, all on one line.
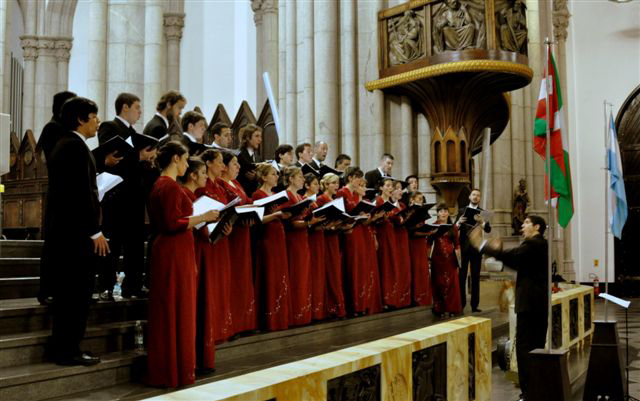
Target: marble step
{"points": [[32, 347], [19, 267], [20, 316], [19, 287], [20, 248], [47, 380]]}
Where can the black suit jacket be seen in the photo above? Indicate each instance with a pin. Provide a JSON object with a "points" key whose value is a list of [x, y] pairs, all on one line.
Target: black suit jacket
{"points": [[314, 165], [51, 134], [73, 195], [156, 127], [464, 232], [373, 178], [126, 168], [530, 260], [246, 162]]}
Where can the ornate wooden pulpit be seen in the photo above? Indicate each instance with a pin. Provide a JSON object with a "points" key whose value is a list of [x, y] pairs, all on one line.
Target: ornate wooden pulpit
{"points": [[456, 60]]}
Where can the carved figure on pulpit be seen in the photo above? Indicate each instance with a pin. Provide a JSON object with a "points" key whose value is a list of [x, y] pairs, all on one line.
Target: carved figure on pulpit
{"points": [[512, 25], [520, 205], [457, 26], [406, 38]]}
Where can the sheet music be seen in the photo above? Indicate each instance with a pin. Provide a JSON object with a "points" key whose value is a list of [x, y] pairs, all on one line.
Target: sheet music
{"points": [[616, 300], [202, 205], [105, 182]]}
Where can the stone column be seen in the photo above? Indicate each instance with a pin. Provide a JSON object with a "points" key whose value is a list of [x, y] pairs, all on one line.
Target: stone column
{"points": [[282, 71], [371, 110], [325, 56], [405, 166], [97, 57], [173, 24], [348, 79], [267, 33], [305, 70], [501, 188], [29, 44], [291, 106], [46, 84], [153, 52], [424, 157], [4, 28], [63, 52], [256, 6]]}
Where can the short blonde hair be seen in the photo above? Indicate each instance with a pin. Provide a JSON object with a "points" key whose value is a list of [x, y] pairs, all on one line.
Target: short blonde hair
{"points": [[328, 179]]}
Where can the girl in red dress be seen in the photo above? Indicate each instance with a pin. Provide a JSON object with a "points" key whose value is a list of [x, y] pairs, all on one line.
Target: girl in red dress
{"points": [[217, 282], [444, 267], [403, 263], [317, 249], [334, 294], [272, 268], [196, 177], [387, 250], [243, 307], [419, 250], [298, 252], [171, 360]]}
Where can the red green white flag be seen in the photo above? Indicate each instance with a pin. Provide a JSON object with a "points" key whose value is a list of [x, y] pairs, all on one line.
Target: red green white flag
{"points": [[561, 191]]}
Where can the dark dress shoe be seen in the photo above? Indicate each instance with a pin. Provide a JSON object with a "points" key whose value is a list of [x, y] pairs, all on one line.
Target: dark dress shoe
{"points": [[83, 359], [476, 310]]}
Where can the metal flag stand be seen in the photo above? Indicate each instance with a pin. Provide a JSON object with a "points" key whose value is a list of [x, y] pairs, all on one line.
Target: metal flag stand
{"points": [[549, 89], [606, 208]]}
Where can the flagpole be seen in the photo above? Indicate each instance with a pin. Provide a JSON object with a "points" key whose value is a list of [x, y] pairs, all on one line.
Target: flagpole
{"points": [[606, 209], [547, 43]]}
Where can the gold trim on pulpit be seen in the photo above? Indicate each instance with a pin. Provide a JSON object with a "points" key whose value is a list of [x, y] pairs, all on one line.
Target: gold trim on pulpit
{"points": [[449, 68]]}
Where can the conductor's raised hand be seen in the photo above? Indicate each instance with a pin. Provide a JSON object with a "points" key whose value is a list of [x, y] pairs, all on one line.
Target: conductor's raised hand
{"points": [[101, 246]]}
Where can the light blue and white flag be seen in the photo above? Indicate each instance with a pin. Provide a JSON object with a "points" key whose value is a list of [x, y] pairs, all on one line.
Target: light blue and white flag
{"points": [[618, 199]]}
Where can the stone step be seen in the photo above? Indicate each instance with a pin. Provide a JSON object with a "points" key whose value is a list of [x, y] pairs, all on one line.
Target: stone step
{"points": [[31, 348], [19, 287], [20, 248], [47, 380], [22, 316], [19, 267]]}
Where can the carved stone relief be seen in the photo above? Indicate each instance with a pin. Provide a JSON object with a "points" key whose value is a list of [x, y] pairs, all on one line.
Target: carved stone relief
{"points": [[406, 37], [363, 384], [511, 25], [430, 373], [458, 25]]}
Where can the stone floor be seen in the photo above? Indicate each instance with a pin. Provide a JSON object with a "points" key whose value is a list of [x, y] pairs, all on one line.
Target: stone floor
{"points": [[504, 390]]}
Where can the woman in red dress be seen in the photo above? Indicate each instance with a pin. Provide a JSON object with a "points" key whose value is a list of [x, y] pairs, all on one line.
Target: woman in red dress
{"points": [[387, 250], [243, 307], [334, 294], [317, 249], [217, 282], [419, 250], [403, 263], [373, 294], [298, 251], [196, 177], [272, 268], [444, 267], [171, 360]]}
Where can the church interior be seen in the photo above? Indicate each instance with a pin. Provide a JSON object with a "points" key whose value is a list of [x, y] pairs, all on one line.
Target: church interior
{"points": [[473, 101]]}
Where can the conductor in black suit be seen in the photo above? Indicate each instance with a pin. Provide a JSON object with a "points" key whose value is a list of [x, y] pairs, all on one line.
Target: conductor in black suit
{"points": [[530, 260], [470, 256], [373, 177], [74, 230], [250, 141], [123, 208]]}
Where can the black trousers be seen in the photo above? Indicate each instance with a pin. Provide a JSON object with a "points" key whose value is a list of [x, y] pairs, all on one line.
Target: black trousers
{"points": [[473, 260], [74, 264], [123, 225], [531, 333]]}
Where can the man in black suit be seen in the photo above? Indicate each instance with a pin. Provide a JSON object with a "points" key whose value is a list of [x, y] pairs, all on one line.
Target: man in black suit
{"points": [[373, 177], [168, 109], [73, 228], [319, 155], [303, 154], [221, 134], [469, 254], [532, 289], [123, 208], [250, 141]]}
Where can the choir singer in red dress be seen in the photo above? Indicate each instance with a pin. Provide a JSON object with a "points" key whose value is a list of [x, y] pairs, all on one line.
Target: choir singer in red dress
{"points": [[419, 250], [317, 250], [171, 359]]}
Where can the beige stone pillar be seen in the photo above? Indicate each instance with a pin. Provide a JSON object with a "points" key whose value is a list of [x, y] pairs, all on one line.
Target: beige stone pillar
{"points": [[424, 157], [97, 57], [29, 44], [46, 83], [348, 79], [501, 188], [405, 157], [371, 110], [282, 71], [256, 7], [4, 28], [325, 54], [173, 24], [267, 33], [153, 57], [63, 53], [305, 69], [291, 106]]}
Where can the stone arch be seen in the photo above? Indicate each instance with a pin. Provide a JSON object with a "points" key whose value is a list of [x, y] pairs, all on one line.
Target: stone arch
{"points": [[59, 18]]}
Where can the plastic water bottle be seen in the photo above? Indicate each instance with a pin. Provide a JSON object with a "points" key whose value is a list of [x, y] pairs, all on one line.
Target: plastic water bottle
{"points": [[117, 288], [139, 337]]}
